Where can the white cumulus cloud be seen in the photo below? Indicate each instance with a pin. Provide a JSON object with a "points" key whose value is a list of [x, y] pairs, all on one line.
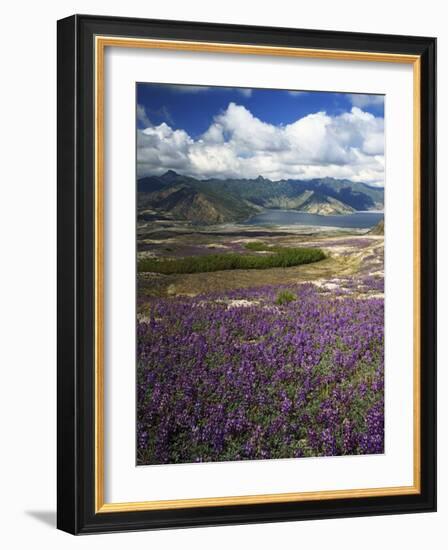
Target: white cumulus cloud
{"points": [[142, 117], [296, 93], [238, 144], [366, 100]]}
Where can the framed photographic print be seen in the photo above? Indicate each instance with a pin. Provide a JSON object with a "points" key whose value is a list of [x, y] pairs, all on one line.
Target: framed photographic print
{"points": [[246, 270]]}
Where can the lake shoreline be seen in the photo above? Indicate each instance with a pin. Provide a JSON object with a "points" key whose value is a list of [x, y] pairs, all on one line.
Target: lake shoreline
{"points": [[362, 219]]}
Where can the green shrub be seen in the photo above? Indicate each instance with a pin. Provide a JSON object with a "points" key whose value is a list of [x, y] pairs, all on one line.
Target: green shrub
{"points": [[282, 257], [257, 246], [284, 297]]}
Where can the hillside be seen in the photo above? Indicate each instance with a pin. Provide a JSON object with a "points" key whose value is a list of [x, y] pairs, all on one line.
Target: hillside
{"points": [[378, 229], [218, 201]]}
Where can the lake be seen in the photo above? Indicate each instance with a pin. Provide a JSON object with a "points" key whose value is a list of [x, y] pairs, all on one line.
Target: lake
{"points": [[358, 220]]}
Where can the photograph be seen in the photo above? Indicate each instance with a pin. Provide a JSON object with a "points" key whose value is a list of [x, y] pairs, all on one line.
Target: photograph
{"points": [[260, 223]]}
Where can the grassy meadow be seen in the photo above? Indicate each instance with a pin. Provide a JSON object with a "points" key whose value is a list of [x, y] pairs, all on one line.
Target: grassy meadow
{"points": [[258, 343]]}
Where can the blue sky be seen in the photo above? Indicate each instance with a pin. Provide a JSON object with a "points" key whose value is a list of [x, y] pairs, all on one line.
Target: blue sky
{"points": [[229, 132], [192, 108]]}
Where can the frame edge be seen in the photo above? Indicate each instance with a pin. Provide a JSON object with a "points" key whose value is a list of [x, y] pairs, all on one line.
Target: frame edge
{"points": [[67, 451]]}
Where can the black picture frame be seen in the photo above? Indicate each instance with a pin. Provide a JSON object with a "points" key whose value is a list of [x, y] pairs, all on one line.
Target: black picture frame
{"points": [[76, 257]]}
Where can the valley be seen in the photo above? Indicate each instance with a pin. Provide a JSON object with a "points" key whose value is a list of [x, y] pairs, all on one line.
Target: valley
{"points": [[216, 201], [349, 253]]}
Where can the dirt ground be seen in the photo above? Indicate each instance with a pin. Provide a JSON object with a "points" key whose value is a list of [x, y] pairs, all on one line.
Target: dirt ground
{"points": [[348, 254]]}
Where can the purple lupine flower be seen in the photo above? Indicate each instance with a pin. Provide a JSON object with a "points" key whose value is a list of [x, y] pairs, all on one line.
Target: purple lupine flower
{"points": [[257, 381]]}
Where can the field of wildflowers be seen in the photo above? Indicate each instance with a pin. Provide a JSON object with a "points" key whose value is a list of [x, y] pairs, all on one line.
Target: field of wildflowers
{"points": [[276, 371]]}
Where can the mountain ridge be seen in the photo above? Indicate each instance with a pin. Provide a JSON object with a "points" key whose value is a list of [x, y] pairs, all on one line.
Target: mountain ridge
{"points": [[215, 200]]}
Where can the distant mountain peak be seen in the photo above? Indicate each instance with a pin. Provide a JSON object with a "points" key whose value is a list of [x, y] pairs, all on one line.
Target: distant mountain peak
{"points": [[169, 175]]}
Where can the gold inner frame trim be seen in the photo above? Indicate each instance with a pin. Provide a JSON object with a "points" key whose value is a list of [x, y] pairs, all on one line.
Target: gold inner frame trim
{"points": [[101, 42]]}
